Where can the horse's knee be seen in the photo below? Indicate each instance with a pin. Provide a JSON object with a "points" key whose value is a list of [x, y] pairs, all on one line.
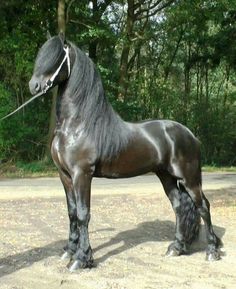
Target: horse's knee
{"points": [[83, 216], [72, 212]]}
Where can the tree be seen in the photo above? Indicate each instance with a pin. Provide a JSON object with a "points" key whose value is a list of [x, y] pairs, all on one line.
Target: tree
{"points": [[137, 16], [61, 20]]}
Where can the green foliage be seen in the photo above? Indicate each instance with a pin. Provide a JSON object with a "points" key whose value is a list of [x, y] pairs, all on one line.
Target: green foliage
{"points": [[187, 71], [34, 167], [23, 28]]}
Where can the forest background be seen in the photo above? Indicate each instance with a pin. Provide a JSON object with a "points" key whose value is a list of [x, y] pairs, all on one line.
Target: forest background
{"points": [[160, 59]]}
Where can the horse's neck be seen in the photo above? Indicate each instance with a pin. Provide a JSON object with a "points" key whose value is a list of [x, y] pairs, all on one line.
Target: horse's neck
{"points": [[81, 103], [89, 111], [64, 108], [80, 109]]}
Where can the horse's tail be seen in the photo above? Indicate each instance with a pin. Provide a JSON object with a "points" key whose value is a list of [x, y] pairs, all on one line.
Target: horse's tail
{"points": [[189, 216]]}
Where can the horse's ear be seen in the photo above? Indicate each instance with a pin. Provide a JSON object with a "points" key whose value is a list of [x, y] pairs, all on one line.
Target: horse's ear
{"points": [[62, 37], [48, 35]]}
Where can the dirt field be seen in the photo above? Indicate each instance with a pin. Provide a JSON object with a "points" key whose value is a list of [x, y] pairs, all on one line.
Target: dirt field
{"points": [[131, 227]]}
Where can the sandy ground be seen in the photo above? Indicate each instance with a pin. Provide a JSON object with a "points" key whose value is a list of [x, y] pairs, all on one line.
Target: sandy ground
{"points": [[131, 227]]}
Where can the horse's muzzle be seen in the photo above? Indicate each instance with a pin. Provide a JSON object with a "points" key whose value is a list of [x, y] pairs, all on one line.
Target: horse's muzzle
{"points": [[34, 86]]}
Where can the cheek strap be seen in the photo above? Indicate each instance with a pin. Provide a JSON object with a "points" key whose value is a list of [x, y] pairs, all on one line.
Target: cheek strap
{"points": [[49, 82]]}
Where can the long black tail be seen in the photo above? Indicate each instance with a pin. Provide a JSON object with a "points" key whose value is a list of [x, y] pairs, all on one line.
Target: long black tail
{"points": [[189, 216]]}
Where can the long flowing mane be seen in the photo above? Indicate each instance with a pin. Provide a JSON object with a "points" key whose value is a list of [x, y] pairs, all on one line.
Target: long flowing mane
{"points": [[88, 104]]}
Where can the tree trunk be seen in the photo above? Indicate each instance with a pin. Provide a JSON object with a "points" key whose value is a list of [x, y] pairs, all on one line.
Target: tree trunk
{"points": [[168, 68], [93, 50], [123, 81], [187, 83], [96, 16], [61, 19], [61, 16], [97, 11], [207, 85]]}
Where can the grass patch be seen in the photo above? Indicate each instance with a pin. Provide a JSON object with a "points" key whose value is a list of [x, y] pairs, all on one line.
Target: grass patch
{"points": [[28, 170], [47, 169], [214, 169]]}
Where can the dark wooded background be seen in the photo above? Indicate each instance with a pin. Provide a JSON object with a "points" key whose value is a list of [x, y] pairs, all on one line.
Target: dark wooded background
{"points": [[157, 58]]}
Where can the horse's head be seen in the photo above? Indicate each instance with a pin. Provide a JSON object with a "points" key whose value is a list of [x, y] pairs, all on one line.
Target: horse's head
{"points": [[52, 65]]}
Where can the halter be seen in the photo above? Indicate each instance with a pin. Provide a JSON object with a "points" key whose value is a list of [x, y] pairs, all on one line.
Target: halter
{"points": [[49, 82]]}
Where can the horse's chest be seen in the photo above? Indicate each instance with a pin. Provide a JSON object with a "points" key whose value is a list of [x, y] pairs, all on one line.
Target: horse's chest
{"points": [[58, 150], [69, 150], [62, 148]]}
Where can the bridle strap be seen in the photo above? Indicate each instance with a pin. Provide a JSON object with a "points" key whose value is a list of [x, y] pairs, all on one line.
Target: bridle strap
{"points": [[49, 82]]}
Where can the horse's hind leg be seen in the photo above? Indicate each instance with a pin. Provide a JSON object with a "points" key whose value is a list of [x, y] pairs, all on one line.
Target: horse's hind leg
{"points": [[71, 246], [203, 205], [169, 183]]}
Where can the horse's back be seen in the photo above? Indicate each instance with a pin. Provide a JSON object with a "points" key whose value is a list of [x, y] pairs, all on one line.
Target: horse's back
{"points": [[172, 132]]}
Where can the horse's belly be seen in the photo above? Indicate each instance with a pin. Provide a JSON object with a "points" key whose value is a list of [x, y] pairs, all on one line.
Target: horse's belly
{"points": [[134, 161]]}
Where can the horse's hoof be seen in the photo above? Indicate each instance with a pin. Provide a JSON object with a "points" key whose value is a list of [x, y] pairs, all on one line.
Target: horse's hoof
{"points": [[66, 255], [172, 252], [78, 264], [175, 249], [213, 256], [75, 265]]}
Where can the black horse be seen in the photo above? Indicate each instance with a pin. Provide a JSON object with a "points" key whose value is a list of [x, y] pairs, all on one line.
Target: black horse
{"points": [[91, 140]]}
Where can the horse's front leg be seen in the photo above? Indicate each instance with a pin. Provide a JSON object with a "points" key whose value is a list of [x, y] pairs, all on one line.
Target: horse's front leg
{"points": [[82, 189], [71, 245]]}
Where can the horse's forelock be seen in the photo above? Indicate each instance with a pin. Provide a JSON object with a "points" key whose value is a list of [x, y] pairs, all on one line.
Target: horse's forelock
{"points": [[49, 56]]}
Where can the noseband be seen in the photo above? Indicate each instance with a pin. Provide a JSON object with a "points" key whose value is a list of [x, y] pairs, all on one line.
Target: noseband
{"points": [[49, 82]]}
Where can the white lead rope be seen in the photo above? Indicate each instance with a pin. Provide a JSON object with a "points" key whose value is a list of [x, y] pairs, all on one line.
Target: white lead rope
{"points": [[24, 104], [49, 82]]}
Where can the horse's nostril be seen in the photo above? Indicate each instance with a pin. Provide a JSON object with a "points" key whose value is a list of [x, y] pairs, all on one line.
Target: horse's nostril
{"points": [[37, 86]]}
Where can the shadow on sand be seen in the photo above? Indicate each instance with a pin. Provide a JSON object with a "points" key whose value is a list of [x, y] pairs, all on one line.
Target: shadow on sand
{"points": [[155, 231]]}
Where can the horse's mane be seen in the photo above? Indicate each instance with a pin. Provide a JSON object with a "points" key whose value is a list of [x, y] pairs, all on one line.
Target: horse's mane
{"points": [[88, 104]]}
